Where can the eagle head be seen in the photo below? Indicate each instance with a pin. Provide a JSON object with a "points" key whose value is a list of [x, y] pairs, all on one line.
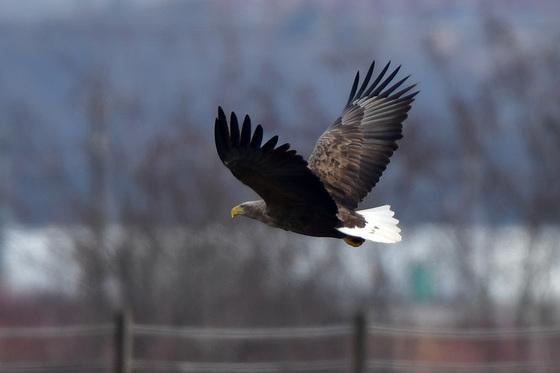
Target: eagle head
{"points": [[251, 209]]}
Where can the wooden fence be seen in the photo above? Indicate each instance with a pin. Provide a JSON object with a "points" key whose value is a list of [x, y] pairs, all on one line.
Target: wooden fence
{"points": [[123, 332]]}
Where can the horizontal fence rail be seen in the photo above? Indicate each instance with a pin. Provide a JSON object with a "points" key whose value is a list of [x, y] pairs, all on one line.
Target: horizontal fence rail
{"points": [[328, 365], [274, 333], [304, 366], [57, 331], [473, 334], [505, 366], [339, 331], [240, 333]]}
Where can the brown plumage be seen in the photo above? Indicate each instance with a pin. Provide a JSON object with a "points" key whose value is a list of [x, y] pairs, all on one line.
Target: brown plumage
{"points": [[319, 197]]}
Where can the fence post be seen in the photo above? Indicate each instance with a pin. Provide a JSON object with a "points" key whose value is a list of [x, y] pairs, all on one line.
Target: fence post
{"points": [[359, 361], [123, 342]]}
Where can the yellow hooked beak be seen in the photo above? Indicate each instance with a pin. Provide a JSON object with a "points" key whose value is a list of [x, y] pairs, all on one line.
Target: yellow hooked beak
{"points": [[237, 210]]}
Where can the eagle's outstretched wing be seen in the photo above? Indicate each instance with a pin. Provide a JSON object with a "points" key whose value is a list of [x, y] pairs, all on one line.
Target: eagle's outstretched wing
{"points": [[351, 155], [279, 175]]}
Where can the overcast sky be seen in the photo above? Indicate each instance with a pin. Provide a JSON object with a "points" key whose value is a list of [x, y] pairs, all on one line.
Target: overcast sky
{"points": [[25, 10], [36, 9]]}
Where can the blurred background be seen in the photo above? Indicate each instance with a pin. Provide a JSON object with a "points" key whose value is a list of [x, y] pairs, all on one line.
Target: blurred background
{"points": [[112, 196]]}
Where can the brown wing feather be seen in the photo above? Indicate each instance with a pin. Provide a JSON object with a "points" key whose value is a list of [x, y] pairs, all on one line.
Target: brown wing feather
{"points": [[279, 175], [352, 154]]}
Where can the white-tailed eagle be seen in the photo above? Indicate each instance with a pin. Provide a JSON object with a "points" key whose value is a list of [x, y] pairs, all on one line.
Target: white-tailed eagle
{"points": [[319, 197]]}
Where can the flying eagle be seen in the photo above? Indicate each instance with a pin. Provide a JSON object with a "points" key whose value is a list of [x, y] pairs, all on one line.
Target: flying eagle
{"points": [[319, 197]]}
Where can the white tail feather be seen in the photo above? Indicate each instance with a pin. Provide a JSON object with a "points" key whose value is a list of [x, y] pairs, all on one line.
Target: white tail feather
{"points": [[381, 226]]}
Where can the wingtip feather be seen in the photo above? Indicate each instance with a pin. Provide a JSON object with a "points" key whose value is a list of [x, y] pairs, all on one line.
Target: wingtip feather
{"points": [[366, 80], [270, 144], [257, 137], [353, 90], [378, 90], [234, 129], [378, 79], [245, 132]]}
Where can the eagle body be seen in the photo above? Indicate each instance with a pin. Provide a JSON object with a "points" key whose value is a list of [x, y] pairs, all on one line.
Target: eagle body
{"points": [[309, 220], [319, 197]]}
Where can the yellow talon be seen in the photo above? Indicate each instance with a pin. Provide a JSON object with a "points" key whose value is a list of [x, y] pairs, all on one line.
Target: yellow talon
{"points": [[354, 242]]}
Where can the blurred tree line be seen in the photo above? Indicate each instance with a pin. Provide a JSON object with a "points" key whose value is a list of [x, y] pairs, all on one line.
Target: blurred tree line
{"points": [[151, 232]]}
